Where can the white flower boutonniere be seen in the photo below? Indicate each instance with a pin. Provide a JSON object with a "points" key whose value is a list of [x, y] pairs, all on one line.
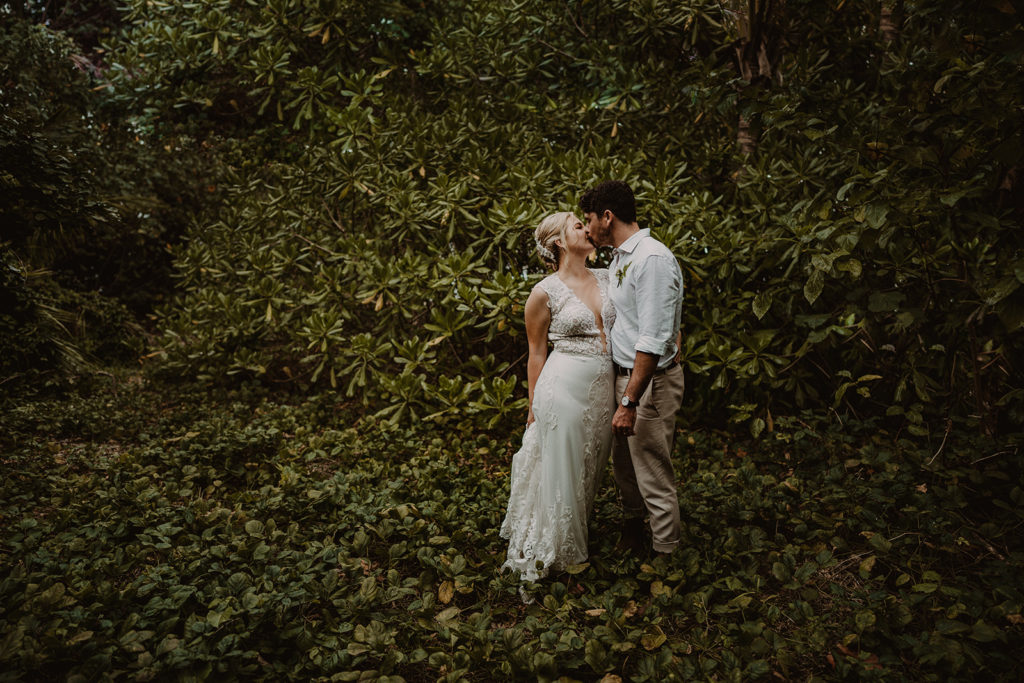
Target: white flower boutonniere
{"points": [[621, 273]]}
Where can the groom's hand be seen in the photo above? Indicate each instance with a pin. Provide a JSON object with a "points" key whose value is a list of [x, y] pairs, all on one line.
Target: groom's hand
{"points": [[624, 421]]}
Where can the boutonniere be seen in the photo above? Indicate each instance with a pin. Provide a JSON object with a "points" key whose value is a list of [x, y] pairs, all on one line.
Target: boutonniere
{"points": [[621, 273]]}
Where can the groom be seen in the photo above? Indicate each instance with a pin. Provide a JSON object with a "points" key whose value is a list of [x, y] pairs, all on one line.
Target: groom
{"points": [[646, 286]]}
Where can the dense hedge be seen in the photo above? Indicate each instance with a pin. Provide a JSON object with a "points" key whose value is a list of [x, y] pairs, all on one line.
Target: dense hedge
{"points": [[865, 258]]}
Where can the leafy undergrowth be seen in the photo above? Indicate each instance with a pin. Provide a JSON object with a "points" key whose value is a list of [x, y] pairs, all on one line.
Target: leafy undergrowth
{"points": [[154, 532]]}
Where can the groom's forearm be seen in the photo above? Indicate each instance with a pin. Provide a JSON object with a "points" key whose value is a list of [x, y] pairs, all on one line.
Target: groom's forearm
{"points": [[644, 366]]}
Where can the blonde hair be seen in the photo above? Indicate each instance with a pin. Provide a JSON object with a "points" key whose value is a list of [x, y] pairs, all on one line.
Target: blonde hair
{"points": [[552, 229]]}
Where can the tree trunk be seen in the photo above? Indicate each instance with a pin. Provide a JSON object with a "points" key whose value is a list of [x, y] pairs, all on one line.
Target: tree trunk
{"points": [[887, 23], [746, 137], [757, 52]]}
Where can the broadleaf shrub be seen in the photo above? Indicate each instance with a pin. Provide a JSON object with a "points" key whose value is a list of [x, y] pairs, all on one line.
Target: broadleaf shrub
{"points": [[862, 258]]}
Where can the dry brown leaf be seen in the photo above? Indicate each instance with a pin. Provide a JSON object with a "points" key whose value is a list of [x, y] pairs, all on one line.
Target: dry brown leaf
{"points": [[652, 641]]}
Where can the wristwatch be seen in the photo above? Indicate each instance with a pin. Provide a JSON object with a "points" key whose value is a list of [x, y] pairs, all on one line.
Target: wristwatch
{"points": [[627, 402]]}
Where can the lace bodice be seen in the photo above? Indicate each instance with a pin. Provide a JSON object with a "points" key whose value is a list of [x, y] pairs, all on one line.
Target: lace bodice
{"points": [[573, 327]]}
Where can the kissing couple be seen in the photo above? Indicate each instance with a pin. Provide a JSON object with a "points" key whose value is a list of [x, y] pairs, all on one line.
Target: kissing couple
{"points": [[611, 382]]}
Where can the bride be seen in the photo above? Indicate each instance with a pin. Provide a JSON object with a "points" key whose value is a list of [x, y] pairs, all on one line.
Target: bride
{"points": [[568, 434]]}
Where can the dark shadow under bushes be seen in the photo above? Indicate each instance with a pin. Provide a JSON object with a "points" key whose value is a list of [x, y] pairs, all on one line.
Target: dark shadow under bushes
{"points": [[91, 199]]}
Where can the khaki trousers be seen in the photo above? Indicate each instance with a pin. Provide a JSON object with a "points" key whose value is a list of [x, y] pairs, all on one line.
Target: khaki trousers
{"points": [[642, 462]]}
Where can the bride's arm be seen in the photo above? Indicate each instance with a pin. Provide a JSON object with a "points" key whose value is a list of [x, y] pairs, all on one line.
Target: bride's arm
{"points": [[538, 317]]}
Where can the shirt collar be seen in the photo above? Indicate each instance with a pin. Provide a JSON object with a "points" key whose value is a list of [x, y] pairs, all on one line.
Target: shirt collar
{"points": [[629, 245]]}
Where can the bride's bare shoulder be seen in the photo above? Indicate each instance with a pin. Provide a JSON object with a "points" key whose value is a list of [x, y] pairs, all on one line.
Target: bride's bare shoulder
{"points": [[538, 305]]}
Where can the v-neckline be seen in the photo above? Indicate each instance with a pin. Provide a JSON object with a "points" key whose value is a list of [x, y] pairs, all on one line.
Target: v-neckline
{"points": [[580, 299], [598, 319]]}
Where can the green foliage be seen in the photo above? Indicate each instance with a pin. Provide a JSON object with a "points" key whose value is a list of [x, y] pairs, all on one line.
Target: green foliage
{"points": [[86, 22], [863, 259], [47, 144], [31, 333], [242, 67], [359, 184], [88, 206], [153, 532], [48, 332]]}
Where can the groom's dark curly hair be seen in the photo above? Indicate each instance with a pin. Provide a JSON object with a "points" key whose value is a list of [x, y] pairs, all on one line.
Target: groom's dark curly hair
{"points": [[613, 195]]}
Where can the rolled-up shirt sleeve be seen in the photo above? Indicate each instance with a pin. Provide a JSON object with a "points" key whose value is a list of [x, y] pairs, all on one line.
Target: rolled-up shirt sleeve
{"points": [[658, 290]]}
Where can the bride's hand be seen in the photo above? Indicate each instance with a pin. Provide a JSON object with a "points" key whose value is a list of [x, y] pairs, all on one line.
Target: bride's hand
{"points": [[530, 419]]}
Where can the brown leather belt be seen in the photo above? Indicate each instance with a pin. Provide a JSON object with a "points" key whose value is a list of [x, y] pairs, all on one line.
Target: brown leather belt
{"points": [[626, 372]]}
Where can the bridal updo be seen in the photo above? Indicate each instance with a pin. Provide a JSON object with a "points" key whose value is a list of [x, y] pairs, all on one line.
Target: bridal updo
{"points": [[551, 230]]}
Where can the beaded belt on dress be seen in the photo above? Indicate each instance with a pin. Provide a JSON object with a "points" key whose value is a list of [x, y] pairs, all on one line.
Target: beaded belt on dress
{"points": [[581, 346]]}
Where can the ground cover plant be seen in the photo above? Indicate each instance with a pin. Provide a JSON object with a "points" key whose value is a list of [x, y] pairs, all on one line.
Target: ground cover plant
{"points": [[154, 532], [262, 268]]}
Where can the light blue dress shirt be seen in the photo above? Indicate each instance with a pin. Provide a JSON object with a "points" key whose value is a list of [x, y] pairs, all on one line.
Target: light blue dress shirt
{"points": [[646, 286]]}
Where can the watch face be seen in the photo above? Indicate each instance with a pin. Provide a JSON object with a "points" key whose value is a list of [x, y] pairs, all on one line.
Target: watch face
{"points": [[625, 401]]}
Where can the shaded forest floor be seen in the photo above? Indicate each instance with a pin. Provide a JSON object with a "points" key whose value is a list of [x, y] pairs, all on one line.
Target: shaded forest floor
{"points": [[149, 529]]}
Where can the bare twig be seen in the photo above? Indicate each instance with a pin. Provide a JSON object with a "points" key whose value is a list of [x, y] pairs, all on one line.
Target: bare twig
{"points": [[572, 18], [841, 565], [10, 377], [514, 363], [949, 427], [820, 369], [314, 244], [974, 462], [334, 220], [554, 49]]}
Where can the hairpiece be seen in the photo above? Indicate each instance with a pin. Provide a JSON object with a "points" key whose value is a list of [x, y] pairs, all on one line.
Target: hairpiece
{"points": [[544, 251]]}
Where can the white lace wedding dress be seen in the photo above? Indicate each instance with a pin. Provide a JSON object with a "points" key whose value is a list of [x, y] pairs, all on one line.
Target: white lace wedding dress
{"points": [[556, 473]]}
